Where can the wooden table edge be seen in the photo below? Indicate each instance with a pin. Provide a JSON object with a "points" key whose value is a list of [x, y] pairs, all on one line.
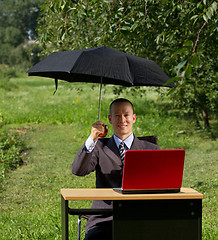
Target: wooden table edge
{"points": [[110, 194]]}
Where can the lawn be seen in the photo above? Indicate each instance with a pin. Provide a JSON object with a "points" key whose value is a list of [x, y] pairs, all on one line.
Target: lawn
{"points": [[53, 127]]}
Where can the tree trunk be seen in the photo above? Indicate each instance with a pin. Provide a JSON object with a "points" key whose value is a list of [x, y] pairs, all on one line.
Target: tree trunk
{"points": [[206, 119], [197, 122]]}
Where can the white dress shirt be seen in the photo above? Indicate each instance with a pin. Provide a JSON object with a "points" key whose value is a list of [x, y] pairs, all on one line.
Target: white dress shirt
{"points": [[90, 144]]}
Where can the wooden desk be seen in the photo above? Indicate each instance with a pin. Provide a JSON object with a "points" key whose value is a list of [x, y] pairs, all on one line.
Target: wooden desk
{"points": [[142, 216]]}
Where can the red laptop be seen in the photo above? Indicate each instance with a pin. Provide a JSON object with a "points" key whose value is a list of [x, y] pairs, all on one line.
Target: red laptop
{"points": [[152, 171]]}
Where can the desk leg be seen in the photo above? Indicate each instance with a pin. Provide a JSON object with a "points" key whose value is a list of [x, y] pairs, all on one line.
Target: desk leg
{"points": [[64, 218], [157, 219]]}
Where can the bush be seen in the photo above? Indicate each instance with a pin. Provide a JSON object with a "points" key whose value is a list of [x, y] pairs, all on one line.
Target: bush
{"points": [[6, 73], [11, 147], [22, 56]]}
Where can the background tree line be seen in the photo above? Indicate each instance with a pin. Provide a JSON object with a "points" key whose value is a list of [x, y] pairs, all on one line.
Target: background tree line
{"points": [[18, 20], [180, 36]]}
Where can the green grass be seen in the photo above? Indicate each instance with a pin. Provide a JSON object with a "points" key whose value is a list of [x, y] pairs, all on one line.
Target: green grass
{"points": [[30, 200], [54, 127]]}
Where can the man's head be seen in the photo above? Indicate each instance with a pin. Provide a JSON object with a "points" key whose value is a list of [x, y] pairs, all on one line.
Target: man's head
{"points": [[122, 117]]}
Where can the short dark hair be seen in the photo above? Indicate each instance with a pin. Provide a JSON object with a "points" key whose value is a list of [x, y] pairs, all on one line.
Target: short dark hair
{"points": [[119, 100]]}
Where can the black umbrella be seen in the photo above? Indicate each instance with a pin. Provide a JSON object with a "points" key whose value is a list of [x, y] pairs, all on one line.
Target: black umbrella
{"points": [[101, 65]]}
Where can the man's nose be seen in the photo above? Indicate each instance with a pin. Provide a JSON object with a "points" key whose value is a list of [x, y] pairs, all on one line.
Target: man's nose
{"points": [[122, 118]]}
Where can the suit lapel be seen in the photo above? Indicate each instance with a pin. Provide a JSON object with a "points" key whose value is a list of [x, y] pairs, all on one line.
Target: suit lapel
{"points": [[111, 150], [136, 144]]}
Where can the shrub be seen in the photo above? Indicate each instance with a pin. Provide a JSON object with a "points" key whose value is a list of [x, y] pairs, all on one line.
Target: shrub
{"points": [[6, 73], [11, 147]]}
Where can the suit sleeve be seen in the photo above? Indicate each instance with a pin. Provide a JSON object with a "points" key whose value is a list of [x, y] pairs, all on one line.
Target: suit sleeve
{"points": [[84, 163]]}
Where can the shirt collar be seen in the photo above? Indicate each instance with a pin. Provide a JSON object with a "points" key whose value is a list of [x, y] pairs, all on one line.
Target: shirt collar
{"points": [[128, 141]]}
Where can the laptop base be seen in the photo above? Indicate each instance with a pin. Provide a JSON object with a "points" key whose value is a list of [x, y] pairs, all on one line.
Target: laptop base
{"points": [[146, 191]]}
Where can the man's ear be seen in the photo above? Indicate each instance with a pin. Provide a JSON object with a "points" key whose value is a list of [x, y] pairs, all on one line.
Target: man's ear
{"points": [[134, 118], [109, 118]]}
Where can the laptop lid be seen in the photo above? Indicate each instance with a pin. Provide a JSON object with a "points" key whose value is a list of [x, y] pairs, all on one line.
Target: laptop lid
{"points": [[153, 169]]}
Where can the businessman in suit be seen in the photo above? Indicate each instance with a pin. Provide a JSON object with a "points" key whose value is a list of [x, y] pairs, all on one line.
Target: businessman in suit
{"points": [[103, 155]]}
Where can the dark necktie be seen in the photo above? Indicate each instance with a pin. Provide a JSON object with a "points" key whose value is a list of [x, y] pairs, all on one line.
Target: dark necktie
{"points": [[122, 151]]}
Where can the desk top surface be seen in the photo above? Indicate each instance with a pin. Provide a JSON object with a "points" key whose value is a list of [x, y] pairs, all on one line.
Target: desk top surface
{"points": [[110, 194]]}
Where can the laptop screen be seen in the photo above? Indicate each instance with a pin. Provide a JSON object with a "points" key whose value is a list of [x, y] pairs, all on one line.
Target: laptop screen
{"points": [[153, 169]]}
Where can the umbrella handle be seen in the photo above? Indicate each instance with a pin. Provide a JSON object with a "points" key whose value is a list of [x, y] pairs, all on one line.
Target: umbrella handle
{"points": [[104, 134]]}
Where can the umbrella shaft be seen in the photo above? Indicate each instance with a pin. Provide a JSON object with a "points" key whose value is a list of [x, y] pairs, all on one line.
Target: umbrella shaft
{"points": [[99, 107]]}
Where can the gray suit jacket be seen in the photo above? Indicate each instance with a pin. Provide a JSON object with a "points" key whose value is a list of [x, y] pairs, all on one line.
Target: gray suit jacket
{"points": [[106, 162]]}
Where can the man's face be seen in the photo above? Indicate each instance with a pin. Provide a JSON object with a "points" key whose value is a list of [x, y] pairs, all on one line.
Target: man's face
{"points": [[122, 119]]}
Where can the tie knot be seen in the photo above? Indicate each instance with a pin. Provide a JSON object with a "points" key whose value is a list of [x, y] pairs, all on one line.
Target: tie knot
{"points": [[121, 145]]}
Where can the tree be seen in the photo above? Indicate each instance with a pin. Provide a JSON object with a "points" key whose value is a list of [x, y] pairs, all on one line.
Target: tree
{"points": [[18, 21], [179, 35], [21, 15]]}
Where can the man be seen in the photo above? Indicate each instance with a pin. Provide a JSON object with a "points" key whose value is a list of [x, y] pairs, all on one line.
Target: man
{"points": [[103, 156]]}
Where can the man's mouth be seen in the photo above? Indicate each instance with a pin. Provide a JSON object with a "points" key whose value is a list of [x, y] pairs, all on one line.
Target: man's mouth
{"points": [[122, 126]]}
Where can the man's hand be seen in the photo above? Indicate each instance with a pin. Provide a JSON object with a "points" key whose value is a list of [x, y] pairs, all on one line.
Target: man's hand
{"points": [[97, 129]]}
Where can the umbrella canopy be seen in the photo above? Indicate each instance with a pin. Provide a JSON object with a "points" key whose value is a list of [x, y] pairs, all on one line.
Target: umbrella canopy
{"points": [[101, 65], [92, 65]]}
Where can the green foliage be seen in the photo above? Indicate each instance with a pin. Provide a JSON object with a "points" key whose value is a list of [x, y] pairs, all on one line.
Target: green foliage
{"points": [[179, 36], [13, 36], [20, 15], [17, 26], [6, 74], [23, 56], [10, 153]]}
